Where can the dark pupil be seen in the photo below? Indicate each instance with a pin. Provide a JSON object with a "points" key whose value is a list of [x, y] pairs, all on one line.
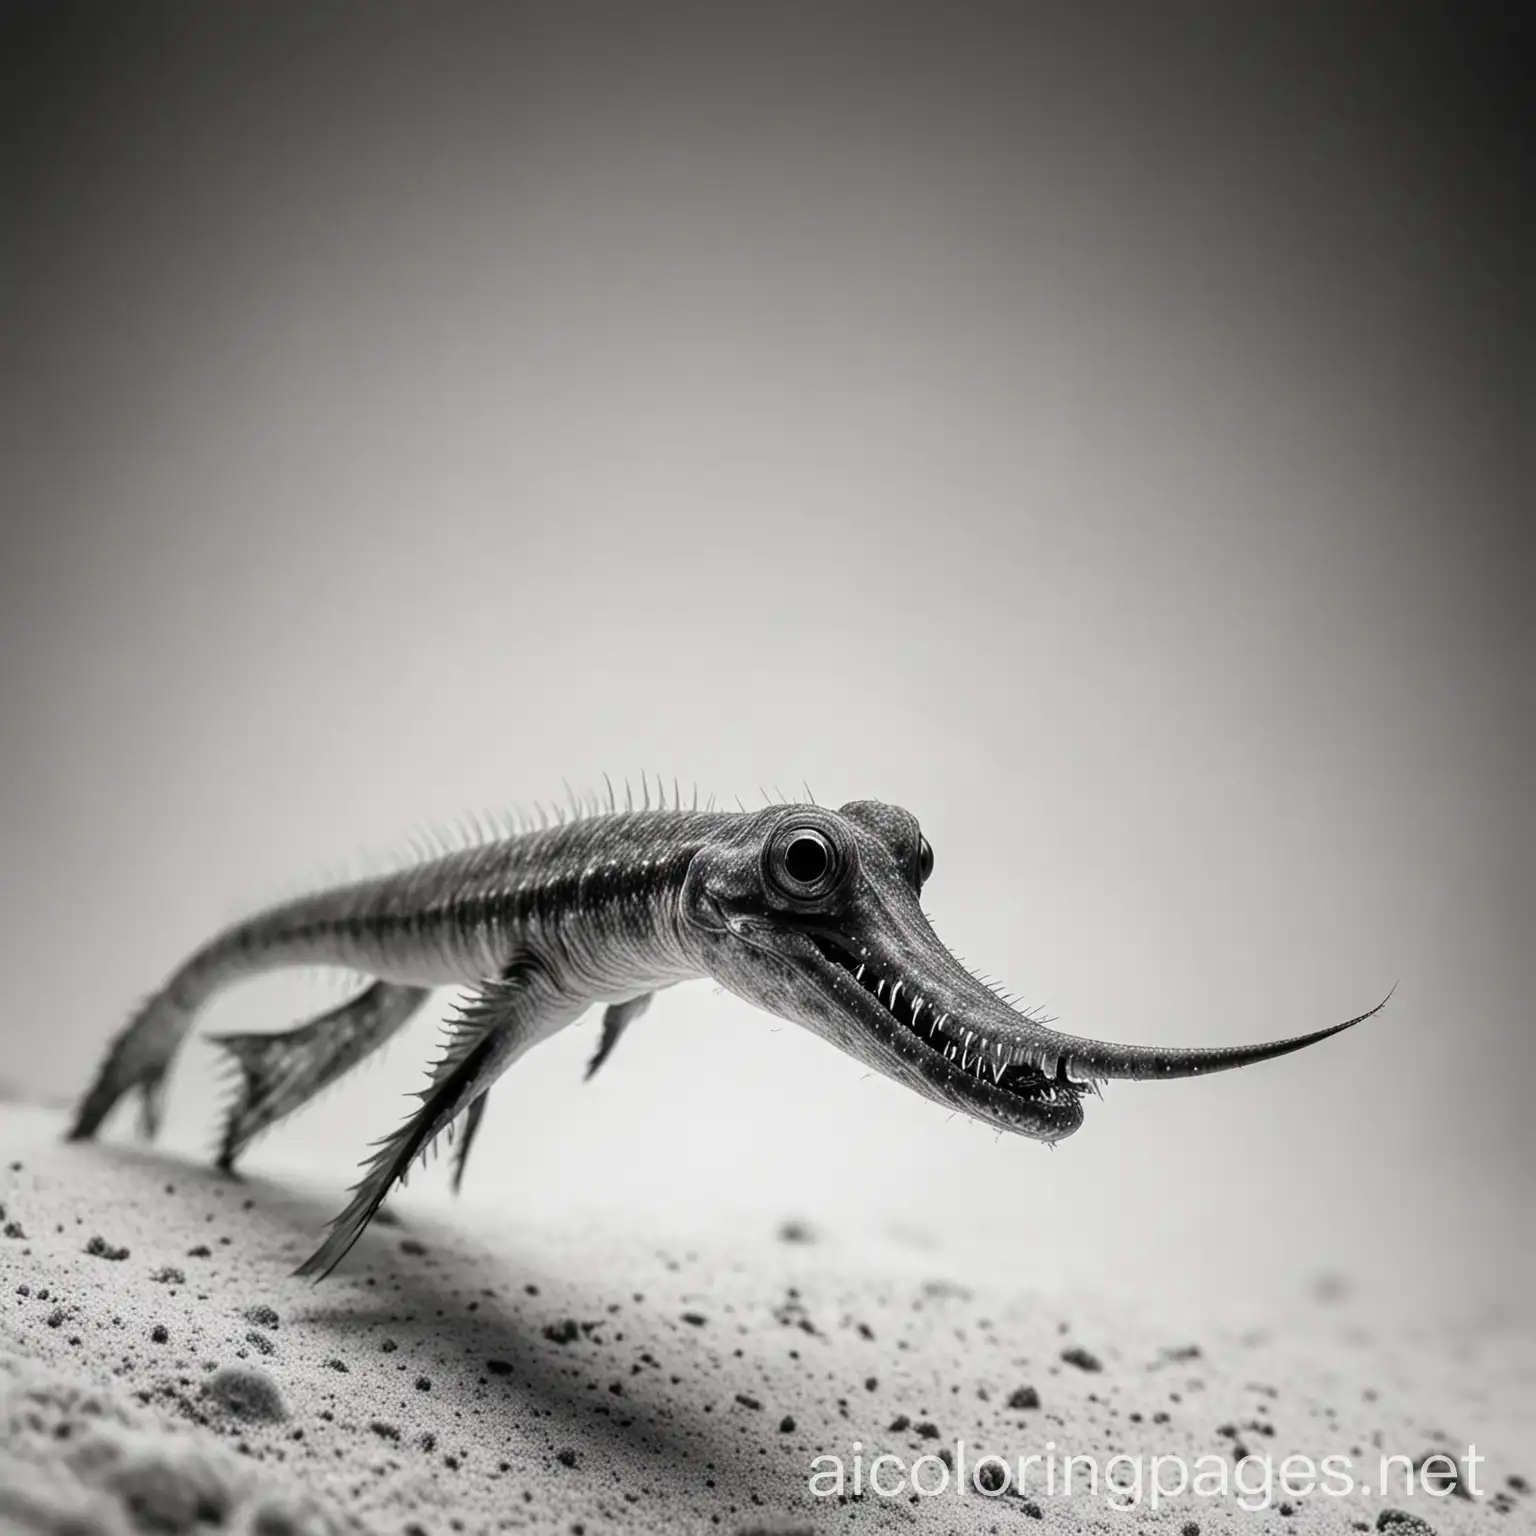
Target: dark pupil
{"points": [[925, 859], [805, 860]]}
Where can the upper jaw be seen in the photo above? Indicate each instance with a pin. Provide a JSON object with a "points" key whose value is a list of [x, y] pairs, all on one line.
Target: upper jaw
{"points": [[904, 1032]]}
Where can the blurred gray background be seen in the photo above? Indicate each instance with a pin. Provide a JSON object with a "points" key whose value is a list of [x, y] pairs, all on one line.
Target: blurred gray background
{"points": [[1100, 431]]}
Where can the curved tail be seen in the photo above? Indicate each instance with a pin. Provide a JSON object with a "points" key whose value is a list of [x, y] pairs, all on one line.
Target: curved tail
{"points": [[138, 1058], [141, 1053]]}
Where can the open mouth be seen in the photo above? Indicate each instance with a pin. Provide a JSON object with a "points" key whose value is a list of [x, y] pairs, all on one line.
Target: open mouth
{"points": [[987, 1061]]}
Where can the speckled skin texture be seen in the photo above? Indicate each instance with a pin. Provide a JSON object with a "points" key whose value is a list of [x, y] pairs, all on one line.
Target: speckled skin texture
{"points": [[470, 1375]]}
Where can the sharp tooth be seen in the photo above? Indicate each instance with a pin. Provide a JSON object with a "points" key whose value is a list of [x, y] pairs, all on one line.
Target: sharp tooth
{"points": [[895, 992], [858, 975], [917, 1009], [997, 1070]]}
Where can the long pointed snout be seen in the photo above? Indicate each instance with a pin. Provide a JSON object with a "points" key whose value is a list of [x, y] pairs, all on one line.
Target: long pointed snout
{"points": [[1103, 1059], [917, 978]]}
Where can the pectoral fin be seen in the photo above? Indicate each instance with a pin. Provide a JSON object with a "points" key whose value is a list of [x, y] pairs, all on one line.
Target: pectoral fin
{"points": [[467, 1133], [617, 1017], [496, 1025]]}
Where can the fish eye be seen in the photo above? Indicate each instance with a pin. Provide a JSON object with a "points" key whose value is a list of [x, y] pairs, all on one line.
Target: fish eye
{"points": [[804, 863], [924, 860], [807, 859]]}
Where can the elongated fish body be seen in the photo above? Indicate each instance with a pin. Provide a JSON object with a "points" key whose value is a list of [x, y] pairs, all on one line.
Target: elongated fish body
{"points": [[809, 913], [594, 899]]}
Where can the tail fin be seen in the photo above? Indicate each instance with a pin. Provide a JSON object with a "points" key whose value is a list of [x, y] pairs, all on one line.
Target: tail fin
{"points": [[281, 1072], [141, 1053], [139, 1057]]}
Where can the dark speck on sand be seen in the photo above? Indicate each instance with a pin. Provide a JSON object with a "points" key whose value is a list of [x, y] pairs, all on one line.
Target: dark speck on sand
{"points": [[1398, 1522]]}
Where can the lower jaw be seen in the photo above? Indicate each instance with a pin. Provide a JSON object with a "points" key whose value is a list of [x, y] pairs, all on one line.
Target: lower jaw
{"points": [[1016, 1116], [1005, 1111]]}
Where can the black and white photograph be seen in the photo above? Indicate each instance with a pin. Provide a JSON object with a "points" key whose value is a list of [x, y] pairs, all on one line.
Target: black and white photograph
{"points": [[766, 769]]}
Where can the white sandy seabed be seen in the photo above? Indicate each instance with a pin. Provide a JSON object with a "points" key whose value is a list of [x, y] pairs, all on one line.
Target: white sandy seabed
{"points": [[161, 1371]]}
